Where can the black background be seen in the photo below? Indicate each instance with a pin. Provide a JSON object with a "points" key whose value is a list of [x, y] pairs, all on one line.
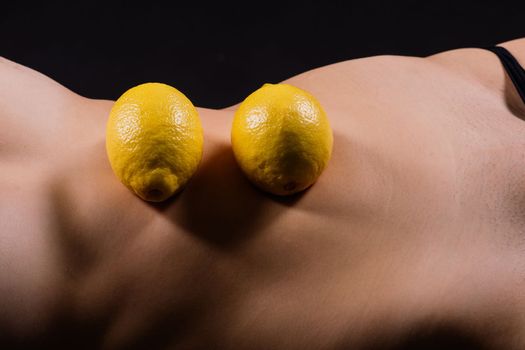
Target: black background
{"points": [[217, 54]]}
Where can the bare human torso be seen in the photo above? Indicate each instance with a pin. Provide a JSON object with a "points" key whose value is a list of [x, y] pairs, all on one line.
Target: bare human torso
{"points": [[414, 236]]}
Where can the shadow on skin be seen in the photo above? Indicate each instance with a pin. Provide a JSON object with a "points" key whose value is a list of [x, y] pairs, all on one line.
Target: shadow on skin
{"points": [[427, 337], [170, 328], [77, 256], [512, 99], [220, 205], [75, 230], [80, 253]]}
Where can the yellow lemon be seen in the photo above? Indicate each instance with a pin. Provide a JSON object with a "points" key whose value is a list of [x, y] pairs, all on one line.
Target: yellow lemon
{"points": [[154, 140], [281, 138]]}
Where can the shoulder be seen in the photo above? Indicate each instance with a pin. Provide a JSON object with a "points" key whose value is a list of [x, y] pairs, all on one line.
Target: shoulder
{"points": [[470, 71], [17, 78], [469, 60]]}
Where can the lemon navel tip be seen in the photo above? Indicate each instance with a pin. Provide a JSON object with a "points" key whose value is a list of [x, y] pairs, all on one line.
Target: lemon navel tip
{"points": [[154, 140], [281, 139]]}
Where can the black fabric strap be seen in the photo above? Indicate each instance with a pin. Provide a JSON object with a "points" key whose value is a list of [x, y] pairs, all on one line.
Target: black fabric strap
{"points": [[513, 68]]}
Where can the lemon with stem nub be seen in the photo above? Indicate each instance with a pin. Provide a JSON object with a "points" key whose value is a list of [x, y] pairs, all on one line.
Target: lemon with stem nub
{"points": [[281, 138], [154, 140]]}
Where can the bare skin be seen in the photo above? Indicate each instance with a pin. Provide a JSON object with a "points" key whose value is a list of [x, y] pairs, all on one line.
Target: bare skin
{"points": [[413, 237]]}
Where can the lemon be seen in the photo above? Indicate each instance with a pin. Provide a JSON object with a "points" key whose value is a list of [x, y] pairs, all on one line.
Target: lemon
{"points": [[154, 140], [281, 138]]}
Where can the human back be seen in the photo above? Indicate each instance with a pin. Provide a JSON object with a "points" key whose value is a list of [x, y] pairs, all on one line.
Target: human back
{"points": [[407, 232]]}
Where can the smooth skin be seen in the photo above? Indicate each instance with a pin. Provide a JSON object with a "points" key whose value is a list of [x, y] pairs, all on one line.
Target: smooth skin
{"points": [[413, 235]]}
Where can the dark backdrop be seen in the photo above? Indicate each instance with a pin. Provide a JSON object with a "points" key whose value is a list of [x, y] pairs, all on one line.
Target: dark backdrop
{"points": [[217, 54]]}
